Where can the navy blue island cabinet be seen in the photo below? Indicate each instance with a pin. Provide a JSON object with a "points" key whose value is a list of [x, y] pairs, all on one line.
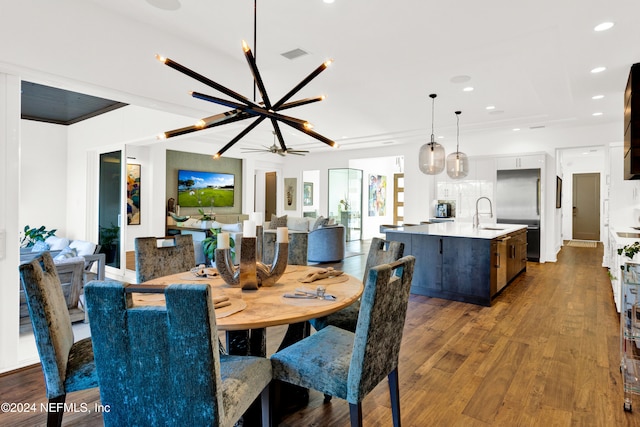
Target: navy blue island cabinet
{"points": [[461, 263]]}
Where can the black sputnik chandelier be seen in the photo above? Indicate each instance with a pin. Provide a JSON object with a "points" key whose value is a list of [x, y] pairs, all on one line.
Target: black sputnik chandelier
{"points": [[243, 108]]}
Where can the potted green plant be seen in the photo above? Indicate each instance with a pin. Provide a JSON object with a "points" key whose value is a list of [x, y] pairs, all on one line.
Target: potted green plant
{"points": [[210, 244], [629, 251], [205, 218], [109, 238], [32, 235]]}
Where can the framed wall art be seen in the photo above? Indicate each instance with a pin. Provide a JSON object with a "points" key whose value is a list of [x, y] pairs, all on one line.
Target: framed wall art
{"points": [[133, 194]]}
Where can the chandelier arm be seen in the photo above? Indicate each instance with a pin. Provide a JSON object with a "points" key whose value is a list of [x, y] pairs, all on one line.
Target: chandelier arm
{"points": [[278, 134], [256, 111], [300, 102], [239, 137], [177, 132], [256, 74], [312, 134], [230, 118], [302, 84], [199, 77]]}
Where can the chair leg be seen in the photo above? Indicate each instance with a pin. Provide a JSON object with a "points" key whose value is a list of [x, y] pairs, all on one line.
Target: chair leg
{"points": [[327, 398], [55, 411], [394, 391], [355, 414], [266, 407]]}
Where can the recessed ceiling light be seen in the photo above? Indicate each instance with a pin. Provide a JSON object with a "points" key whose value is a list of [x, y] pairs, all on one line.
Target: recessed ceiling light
{"points": [[597, 114], [165, 4], [597, 97], [440, 137], [516, 129], [490, 107], [598, 70], [603, 27], [328, 1], [468, 89], [460, 79]]}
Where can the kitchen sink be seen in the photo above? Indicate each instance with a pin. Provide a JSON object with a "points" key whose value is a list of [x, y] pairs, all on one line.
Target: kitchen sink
{"points": [[628, 235], [491, 228]]}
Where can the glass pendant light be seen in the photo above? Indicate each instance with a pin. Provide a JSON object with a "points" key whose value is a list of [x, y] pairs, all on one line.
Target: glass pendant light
{"points": [[431, 156], [457, 163]]}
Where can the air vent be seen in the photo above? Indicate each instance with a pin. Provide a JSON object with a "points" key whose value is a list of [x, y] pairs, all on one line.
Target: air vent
{"points": [[295, 53], [537, 127]]}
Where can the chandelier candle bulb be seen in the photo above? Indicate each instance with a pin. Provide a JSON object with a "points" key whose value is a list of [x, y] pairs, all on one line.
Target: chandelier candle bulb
{"points": [[282, 235], [223, 241], [248, 228]]}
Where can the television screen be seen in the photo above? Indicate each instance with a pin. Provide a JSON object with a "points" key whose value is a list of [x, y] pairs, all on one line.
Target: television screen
{"points": [[205, 189]]}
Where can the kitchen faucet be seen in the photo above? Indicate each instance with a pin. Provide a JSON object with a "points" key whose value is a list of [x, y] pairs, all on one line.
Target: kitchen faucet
{"points": [[476, 217]]}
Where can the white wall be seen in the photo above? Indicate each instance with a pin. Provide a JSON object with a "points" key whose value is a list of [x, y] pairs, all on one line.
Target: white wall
{"points": [[624, 197], [43, 176], [379, 166], [10, 354]]}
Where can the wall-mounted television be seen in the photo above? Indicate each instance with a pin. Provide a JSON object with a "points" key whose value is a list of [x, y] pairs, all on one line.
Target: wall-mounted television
{"points": [[205, 189]]}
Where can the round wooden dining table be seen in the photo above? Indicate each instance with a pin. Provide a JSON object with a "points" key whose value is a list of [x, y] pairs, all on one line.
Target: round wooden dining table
{"points": [[267, 306], [245, 320]]}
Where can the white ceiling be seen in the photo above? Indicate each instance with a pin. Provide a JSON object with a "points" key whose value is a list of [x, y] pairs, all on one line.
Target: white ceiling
{"points": [[531, 60]]}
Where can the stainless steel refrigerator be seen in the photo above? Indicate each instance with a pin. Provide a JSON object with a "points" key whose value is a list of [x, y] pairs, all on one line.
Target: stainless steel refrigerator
{"points": [[518, 202]]}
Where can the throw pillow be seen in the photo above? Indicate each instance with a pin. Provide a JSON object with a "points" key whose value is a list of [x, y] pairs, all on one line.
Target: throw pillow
{"points": [[280, 221], [67, 252], [56, 243], [83, 248], [298, 224], [68, 260], [39, 247], [237, 227], [320, 222]]}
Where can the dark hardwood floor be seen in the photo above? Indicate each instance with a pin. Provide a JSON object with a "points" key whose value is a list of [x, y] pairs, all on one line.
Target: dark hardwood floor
{"points": [[545, 354]]}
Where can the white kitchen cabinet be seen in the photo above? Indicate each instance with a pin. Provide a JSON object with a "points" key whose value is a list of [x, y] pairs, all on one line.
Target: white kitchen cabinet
{"points": [[529, 161]]}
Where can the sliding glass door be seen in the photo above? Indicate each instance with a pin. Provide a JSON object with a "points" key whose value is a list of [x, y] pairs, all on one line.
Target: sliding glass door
{"points": [[110, 206]]}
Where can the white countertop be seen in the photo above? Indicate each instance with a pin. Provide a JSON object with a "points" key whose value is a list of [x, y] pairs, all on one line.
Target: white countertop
{"points": [[623, 241], [461, 229]]}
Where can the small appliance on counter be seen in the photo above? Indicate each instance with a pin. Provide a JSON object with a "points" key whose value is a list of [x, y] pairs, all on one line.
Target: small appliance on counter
{"points": [[443, 210]]}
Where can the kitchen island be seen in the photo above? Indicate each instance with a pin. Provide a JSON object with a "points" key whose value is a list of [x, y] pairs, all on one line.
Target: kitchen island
{"points": [[458, 262]]}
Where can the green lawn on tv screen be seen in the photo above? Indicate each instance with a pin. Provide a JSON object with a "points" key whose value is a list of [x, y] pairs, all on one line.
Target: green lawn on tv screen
{"points": [[202, 197]]}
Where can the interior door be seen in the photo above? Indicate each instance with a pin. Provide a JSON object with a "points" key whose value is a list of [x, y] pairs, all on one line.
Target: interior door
{"points": [[398, 198], [586, 206], [270, 193]]}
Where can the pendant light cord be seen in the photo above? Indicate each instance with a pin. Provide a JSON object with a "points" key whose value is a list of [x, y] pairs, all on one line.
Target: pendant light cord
{"points": [[255, 41], [433, 102], [457, 133]]}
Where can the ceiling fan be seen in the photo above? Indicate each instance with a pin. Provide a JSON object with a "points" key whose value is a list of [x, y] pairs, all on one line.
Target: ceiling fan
{"points": [[275, 149]]}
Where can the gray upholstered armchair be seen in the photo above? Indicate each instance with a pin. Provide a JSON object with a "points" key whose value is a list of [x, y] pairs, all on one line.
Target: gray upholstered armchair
{"points": [[327, 244]]}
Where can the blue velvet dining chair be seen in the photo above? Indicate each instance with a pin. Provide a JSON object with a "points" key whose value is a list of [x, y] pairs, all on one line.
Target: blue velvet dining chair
{"points": [[349, 365], [160, 365], [67, 365], [153, 261], [380, 252]]}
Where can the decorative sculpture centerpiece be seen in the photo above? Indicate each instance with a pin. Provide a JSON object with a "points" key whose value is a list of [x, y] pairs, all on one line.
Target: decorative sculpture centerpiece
{"points": [[251, 274]]}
